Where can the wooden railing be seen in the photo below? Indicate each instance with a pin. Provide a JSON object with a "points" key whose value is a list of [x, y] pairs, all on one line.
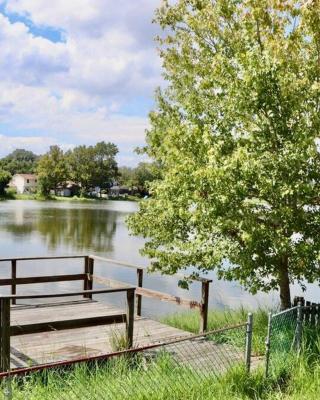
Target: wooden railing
{"points": [[202, 305], [89, 278], [6, 330]]}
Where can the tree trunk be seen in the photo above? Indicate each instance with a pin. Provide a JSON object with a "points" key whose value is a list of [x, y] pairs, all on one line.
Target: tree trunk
{"points": [[284, 284]]}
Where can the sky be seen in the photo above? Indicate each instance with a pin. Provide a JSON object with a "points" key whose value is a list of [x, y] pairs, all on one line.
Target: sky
{"points": [[77, 72]]}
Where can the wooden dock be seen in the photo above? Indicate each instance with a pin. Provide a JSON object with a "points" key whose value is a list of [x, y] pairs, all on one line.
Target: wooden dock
{"points": [[52, 344], [65, 328]]}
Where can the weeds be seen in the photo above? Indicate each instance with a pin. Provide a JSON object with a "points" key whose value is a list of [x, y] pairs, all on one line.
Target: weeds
{"points": [[294, 376], [190, 321]]}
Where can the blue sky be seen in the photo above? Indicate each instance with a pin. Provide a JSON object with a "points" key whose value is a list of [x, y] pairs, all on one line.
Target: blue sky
{"points": [[74, 72]]}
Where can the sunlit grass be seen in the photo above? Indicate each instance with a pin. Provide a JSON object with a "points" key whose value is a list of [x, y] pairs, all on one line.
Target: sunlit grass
{"points": [[127, 378], [292, 376], [190, 321]]}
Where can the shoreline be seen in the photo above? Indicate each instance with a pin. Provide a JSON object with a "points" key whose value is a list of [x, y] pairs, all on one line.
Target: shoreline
{"points": [[75, 199]]}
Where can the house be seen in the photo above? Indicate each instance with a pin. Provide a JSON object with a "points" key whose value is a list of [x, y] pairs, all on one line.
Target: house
{"points": [[24, 183], [68, 189], [121, 191]]}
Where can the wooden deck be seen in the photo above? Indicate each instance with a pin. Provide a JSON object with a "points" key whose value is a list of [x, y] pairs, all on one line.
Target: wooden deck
{"points": [[50, 344], [62, 330]]}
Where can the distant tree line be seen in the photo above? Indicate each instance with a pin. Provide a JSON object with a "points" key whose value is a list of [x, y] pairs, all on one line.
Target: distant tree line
{"points": [[86, 166], [19, 161], [140, 177]]}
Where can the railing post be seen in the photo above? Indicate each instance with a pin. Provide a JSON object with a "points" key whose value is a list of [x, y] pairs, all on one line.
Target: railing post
{"points": [[268, 343], [249, 331], [13, 276], [130, 316], [299, 327], [88, 270], [4, 334], [204, 306], [138, 296]]}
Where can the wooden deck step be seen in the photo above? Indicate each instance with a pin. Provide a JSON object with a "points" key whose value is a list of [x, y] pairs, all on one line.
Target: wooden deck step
{"points": [[49, 345], [46, 347], [38, 318]]}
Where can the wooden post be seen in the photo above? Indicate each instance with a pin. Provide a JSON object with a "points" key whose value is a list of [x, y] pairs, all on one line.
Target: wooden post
{"points": [[4, 334], [307, 312], [13, 276], [313, 314], [130, 316], [88, 270], [204, 306], [139, 297]]}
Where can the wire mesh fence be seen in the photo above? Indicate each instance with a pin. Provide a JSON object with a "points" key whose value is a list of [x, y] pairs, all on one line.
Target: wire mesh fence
{"points": [[288, 332], [160, 370]]}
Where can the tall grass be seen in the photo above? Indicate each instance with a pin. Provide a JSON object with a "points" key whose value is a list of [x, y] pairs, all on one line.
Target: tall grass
{"points": [[126, 379], [143, 376], [190, 321]]}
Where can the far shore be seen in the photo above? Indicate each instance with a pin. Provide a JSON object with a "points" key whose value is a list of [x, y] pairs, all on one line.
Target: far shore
{"points": [[69, 199]]}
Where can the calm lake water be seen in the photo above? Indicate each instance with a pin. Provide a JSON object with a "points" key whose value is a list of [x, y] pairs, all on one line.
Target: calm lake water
{"points": [[32, 228]]}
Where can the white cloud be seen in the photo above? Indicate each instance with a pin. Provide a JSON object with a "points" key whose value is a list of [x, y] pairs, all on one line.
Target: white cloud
{"points": [[108, 50], [36, 109], [75, 90], [35, 143]]}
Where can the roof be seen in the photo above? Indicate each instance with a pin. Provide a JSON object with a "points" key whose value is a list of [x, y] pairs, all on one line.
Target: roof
{"points": [[27, 176]]}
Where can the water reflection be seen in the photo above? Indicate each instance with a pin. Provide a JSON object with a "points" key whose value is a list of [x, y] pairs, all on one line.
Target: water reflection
{"points": [[30, 228], [80, 229]]}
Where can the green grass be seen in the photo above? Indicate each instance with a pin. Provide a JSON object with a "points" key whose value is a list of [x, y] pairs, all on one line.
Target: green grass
{"points": [[157, 377], [190, 321], [126, 378], [15, 196]]}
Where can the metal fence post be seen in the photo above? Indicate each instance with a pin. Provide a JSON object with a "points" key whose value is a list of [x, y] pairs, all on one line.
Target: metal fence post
{"points": [[268, 338], [249, 341], [299, 327]]}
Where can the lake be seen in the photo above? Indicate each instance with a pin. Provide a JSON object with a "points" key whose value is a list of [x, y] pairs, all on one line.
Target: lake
{"points": [[34, 228]]}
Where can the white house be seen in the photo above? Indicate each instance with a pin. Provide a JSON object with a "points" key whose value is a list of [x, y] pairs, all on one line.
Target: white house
{"points": [[24, 183]]}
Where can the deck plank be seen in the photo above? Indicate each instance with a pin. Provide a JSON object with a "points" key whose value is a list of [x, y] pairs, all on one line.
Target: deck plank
{"points": [[67, 344]]}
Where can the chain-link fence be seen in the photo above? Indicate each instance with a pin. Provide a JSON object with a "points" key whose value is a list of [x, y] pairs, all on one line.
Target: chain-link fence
{"points": [[158, 371], [281, 337], [288, 332]]}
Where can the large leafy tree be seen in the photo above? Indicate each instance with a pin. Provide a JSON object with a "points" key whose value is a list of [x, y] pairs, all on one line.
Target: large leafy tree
{"points": [[237, 130], [81, 166], [5, 177], [92, 166], [20, 161], [140, 176], [52, 170], [106, 167]]}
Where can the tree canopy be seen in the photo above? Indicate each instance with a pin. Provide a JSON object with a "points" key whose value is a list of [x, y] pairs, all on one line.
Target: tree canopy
{"points": [[92, 166], [52, 170], [237, 133], [140, 176], [5, 177], [20, 161]]}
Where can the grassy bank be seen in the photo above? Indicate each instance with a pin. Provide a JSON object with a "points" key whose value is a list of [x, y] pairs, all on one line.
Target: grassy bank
{"points": [[159, 377], [125, 379], [190, 321], [12, 196]]}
